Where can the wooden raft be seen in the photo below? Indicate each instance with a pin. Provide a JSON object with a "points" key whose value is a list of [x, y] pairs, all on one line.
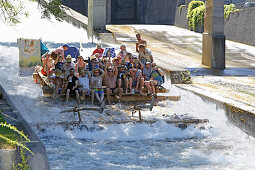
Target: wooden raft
{"points": [[48, 92]]}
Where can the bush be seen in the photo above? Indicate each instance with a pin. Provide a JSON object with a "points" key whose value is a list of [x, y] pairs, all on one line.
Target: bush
{"points": [[196, 10]]}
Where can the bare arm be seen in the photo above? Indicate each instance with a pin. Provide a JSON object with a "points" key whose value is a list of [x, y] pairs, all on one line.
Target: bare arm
{"points": [[103, 73], [151, 58], [142, 65], [76, 84], [137, 47], [89, 74], [160, 72]]}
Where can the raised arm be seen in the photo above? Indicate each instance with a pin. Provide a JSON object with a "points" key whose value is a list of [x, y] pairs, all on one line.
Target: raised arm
{"points": [[103, 73], [142, 65]]}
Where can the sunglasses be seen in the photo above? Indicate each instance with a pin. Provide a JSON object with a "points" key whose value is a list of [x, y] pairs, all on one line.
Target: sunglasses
{"points": [[105, 61], [110, 71], [96, 72]]}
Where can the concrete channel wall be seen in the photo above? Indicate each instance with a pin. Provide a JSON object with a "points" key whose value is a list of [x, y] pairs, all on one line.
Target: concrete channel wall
{"points": [[241, 115], [38, 161], [239, 26]]}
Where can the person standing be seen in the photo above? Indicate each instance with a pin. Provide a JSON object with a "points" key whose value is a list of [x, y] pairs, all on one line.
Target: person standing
{"points": [[139, 41]]}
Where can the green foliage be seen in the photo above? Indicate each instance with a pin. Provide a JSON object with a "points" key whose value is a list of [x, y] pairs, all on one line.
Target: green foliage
{"points": [[228, 9], [197, 18], [196, 10], [53, 7], [23, 164], [23, 137], [192, 5], [11, 11]]}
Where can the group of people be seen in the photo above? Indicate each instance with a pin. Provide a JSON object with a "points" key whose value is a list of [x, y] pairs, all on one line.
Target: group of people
{"points": [[123, 73]]}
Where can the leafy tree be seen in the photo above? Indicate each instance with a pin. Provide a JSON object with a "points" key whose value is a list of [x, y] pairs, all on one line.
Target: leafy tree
{"points": [[12, 10]]}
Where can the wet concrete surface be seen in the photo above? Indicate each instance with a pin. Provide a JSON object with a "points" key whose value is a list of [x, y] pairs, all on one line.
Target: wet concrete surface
{"points": [[175, 48]]}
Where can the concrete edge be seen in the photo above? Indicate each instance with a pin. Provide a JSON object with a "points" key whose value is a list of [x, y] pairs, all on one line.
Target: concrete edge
{"points": [[73, 16], [40, 160], [240, 114]]}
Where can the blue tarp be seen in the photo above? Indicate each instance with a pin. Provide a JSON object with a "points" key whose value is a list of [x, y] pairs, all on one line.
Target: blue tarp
{"points": [[44, 49], [113, 54], [73, 51]]}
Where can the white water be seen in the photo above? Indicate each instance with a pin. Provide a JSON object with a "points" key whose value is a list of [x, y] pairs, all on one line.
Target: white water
{"points": [[161, 146]]}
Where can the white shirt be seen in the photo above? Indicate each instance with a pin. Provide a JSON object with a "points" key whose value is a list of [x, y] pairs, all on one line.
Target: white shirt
{"points": [[84, 81]]}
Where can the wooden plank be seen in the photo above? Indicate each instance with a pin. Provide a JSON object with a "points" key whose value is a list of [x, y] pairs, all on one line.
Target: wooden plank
{"points": [[48, 92], [109, 122]]}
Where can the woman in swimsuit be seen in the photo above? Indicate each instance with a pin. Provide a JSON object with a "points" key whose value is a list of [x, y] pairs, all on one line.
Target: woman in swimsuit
{"points": [[80, 65]]}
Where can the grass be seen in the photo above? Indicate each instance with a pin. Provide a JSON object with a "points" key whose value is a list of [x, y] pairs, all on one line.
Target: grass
{"points": [[7, 133]]}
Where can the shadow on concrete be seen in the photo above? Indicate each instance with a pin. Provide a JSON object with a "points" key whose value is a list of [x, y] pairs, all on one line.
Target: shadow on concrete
{"points": [[229, 71]]}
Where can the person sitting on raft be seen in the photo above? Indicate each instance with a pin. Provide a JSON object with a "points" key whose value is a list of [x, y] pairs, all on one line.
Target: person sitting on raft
{"points": [[147, 69], [136, 78], [58, 82], [47, 65], [84, 80], [157, 79], [58, 61], [122, 55], [80, 65], [96, 85], [116, 62], [111, 79], [61, 50], [93, 63], [122, 77], [139, 41], [130, 63], [66, 71], [144, 54], [72, 86], [67, 66], [99, 50]]}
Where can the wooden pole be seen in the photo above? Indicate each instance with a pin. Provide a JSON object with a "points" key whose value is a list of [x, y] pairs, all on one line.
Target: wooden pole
{"points": [[140, 116]]}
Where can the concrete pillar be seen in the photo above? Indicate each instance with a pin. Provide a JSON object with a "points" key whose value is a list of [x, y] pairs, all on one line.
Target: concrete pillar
{"points": [[96, 16], [213, 54]]}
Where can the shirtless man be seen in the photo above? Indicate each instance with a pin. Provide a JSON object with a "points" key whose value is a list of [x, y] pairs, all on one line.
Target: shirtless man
{"points": [[47, 65], [111, 79], [84, 80], [139, 41], [144, 54], [72, 86], [136, 78], [96, 85]]}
